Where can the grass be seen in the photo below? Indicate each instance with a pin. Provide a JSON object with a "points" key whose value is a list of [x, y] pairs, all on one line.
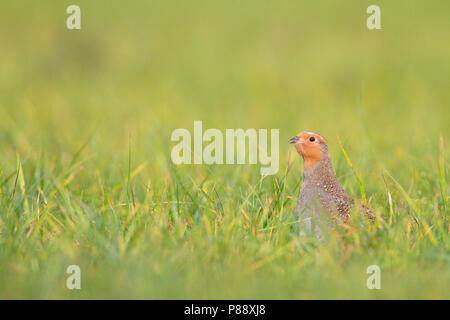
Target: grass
{"points": [[85, 170]]}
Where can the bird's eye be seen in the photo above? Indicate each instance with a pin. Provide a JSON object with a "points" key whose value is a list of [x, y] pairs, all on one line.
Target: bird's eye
{"points": [[312, 139]]}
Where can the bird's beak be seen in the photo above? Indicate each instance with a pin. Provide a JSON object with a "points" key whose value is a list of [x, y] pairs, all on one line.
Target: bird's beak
{"points": [[294, 140]]}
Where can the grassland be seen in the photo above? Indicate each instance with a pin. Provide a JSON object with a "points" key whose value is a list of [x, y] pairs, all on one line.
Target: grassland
{"points": [[86, 176]]}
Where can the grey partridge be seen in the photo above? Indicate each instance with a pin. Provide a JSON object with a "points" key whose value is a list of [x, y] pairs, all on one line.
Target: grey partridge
{"points": [[322, 200]]}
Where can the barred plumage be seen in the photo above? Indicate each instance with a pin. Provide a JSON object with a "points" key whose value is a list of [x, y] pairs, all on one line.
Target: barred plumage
{"points": [[320, 189]]}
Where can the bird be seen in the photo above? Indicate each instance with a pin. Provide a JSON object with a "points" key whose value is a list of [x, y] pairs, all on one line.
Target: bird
{"points": [[321, 195]]}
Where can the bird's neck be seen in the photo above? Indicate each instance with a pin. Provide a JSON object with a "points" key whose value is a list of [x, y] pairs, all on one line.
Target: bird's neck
{"points": [[321, 169], [311, 161]]}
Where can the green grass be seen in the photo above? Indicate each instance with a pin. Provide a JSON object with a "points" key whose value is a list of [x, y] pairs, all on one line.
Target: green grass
{"points": [[86, 176]]}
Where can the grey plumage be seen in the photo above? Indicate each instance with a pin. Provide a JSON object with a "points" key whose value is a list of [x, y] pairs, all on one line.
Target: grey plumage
{"points": [[322, 201], [321, 194]]}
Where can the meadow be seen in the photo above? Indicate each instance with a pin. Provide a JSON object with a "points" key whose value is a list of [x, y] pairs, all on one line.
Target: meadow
{"points": [[86, 176]]}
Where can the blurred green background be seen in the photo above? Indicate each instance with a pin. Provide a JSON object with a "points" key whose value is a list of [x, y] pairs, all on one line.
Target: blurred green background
{"points": [[85, 124]]}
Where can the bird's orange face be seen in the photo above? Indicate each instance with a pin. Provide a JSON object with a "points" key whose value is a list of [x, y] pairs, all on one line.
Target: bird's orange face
{"points": [[310, 146]]}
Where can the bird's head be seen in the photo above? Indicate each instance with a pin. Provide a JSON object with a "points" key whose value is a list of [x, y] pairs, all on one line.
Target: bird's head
{"points": [[311, 146]]}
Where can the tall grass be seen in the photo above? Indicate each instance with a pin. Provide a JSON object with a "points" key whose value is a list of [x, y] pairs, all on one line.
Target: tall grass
{"points": [[85, 170]]}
